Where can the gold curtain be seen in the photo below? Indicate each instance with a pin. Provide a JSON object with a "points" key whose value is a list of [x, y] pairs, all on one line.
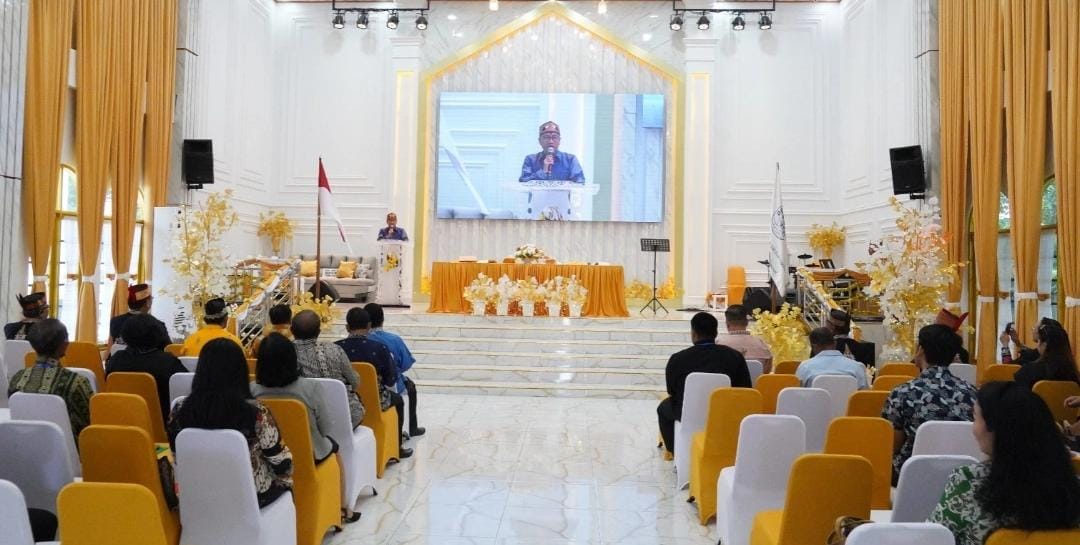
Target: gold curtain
{"points": [[983, 80], [160, 81], [1026, 47], [1065, 94], [97, 43], [49, 41], [128, 101], [954, 138]]}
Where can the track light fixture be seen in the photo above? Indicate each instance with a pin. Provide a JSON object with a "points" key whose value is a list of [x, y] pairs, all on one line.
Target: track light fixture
{"points": [[765, 22], [738, 22], [676, 22], [493, 5], [362, 21], [421, 22], [703, 22], [392, 21], [339, 21], [601, 7]]}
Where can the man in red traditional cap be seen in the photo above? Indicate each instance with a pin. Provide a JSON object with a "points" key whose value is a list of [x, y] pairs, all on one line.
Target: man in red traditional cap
{"points": [[953, 322], [140, 298]]}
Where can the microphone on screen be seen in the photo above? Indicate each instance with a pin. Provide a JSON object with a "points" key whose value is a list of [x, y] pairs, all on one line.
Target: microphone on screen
{"points": [[548, 152]]}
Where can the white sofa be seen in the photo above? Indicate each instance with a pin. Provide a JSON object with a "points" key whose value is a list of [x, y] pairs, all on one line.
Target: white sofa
{"points": [[360, 287]]}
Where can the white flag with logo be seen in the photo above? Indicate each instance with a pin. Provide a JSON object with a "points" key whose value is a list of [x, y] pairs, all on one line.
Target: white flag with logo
{"points": [[778, 254]]}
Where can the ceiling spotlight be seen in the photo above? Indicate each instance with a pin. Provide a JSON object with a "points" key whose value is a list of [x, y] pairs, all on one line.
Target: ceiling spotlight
{"points": [[392, 21], [362, 21], [493, 5], [601, 8], [421, 22], [703, 22], [765, 23], [339, 21], [738, 23], [676, 22]]}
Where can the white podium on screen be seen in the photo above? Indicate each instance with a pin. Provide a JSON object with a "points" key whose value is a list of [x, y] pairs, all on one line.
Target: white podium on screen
{"points": [[392, 280], [558, 200]]}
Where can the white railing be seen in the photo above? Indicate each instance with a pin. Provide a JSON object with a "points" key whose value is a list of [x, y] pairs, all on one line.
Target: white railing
{"points": [[252, 315]]}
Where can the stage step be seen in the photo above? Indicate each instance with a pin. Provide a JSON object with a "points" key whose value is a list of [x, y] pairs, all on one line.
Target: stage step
{"points": [[545, 346], [677, 321], [574, 361], [571, 332], [546, 375], [540, 389]]}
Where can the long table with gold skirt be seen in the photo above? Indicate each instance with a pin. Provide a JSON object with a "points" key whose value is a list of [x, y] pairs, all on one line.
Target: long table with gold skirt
{"points": [[605, 283]]}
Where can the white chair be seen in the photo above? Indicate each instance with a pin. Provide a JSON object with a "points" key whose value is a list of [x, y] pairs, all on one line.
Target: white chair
{"points": [[189, 362], [3, 385], [180, 385], [964, 371], [357, 446], [922, 480], [87, 374], [405, 412], [947, 437], [176, 401], [756, 369], [14, 522], [814, 407], [840, 388], [116, 347], [15, 356], [901, 534], [218, 505], [32, 456], [768, 445], [695, 406], [48, 408]]}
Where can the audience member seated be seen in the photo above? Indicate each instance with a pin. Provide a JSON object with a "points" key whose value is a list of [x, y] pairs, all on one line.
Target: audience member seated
{"points": [[280, 323], [324, 360], [43, 525], [705, 356], [49, 338], [1072, 431], [34, 309], [932, 396], [359, 347], [953, 322], [1028, 482], [402, 358], [139, 301], [216, 316], [825, 359], [839, 322], [1024, 354], [144, 354], [1055, 361], [737, 337], [221, 399]]}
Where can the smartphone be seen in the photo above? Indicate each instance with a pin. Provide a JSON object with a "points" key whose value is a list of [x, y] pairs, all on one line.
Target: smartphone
{"points": [[1009, 328]]}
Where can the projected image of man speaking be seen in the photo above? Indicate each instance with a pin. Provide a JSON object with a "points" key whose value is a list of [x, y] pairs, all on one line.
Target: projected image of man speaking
{"points": [[550, 163]]}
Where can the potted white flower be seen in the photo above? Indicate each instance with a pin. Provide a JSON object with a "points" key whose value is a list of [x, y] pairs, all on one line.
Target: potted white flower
{"points": [[479, 292], [503, 295], [575, 297]]}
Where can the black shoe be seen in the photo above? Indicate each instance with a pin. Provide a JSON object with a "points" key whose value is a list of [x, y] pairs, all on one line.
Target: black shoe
{"points": [[404, 453], [417, 432]]}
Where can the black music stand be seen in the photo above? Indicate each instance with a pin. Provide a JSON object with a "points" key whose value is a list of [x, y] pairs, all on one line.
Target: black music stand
{"points": [[654, 245]]}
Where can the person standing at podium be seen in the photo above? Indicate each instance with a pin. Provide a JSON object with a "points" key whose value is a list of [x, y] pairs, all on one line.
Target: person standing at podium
{"points": [[392, 231], [550, 163]]}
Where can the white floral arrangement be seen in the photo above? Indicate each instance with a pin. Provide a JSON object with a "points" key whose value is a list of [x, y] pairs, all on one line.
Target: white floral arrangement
{"points": [[576, 294], [505, 290], [481, 290], [556, 288], [529, 251]]}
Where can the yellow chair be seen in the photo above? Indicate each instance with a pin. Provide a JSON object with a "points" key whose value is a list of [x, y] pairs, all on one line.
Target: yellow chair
{"points": [[821, 488], [252, 363], [1054, 392], [383, 423], [1000, 372], [867, 403], [316, 488], [79, 354], [901, 369], [713, 448], [871, 438], [1076, 464], [770, 386], [786, 367], [1043, 537], [144, 386], [113, 409], [175, 349], [886, 383], [109, 514], [125, 454], [736, 284]]}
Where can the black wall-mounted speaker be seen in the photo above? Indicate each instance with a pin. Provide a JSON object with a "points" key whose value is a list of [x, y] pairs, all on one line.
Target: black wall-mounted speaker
{"points": [[197, 165], [908, 170]]}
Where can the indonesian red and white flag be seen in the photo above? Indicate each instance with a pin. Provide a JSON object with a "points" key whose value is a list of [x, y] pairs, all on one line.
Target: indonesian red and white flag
{"points": [[327, 207]]}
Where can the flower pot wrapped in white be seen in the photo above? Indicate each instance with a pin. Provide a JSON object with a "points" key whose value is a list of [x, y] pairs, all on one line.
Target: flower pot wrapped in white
{"points": [[479, 293]]}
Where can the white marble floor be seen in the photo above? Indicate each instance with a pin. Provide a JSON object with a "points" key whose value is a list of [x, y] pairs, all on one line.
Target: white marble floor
{"points": [[530, 471]]}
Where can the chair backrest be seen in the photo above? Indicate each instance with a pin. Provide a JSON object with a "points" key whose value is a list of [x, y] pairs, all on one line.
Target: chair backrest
{"points": [[335, 397], [14, 524], [109, 514], [144, 386], [814, 407], [899, 369], [871, 438], [787, 367], [947, 437], [886, 383], [756, 369], [696, 396], [86, 355], [887, 533], [32, 456], [189, 362], [1000, 372], [368, 390], [1044, 537], [175, 349], [727, 408], [736, 284], [292, 419], [822, 488], [1054, 392], [88, 375], [840, 388], [3, 385], [180, 385], [866, 403], [770, 387], [15, 352], [768, 446], [964, 371], [218, 503], [113, 409], [47, 408], [251, 364], [922, 480]]}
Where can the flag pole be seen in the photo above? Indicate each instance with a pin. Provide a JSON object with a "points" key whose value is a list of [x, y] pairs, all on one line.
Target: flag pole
{"points": [[318, 235]]}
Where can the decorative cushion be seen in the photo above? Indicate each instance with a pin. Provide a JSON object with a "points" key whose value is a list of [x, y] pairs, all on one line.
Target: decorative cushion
{"points": [[365, 271], [347, 269], [308, 268]]}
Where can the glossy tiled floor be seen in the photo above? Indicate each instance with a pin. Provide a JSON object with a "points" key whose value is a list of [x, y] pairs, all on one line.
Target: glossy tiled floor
{"points": [[530, 470]]}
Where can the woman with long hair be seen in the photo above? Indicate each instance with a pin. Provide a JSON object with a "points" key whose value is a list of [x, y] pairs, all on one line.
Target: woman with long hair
{"points": [[1028, 482], [1056, 361], [221, 400]]}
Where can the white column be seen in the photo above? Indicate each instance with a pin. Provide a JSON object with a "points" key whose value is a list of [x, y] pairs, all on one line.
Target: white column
{"points": [[697, 168], [406, 67]]}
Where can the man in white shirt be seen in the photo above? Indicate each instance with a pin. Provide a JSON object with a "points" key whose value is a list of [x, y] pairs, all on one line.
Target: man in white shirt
{"points": [[827, 360]]}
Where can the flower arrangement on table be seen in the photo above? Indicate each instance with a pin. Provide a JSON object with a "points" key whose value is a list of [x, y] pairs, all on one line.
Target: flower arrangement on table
{"points": [[784, 332], [528, 253], [824, 238], [276, 226], [392, 262]]}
